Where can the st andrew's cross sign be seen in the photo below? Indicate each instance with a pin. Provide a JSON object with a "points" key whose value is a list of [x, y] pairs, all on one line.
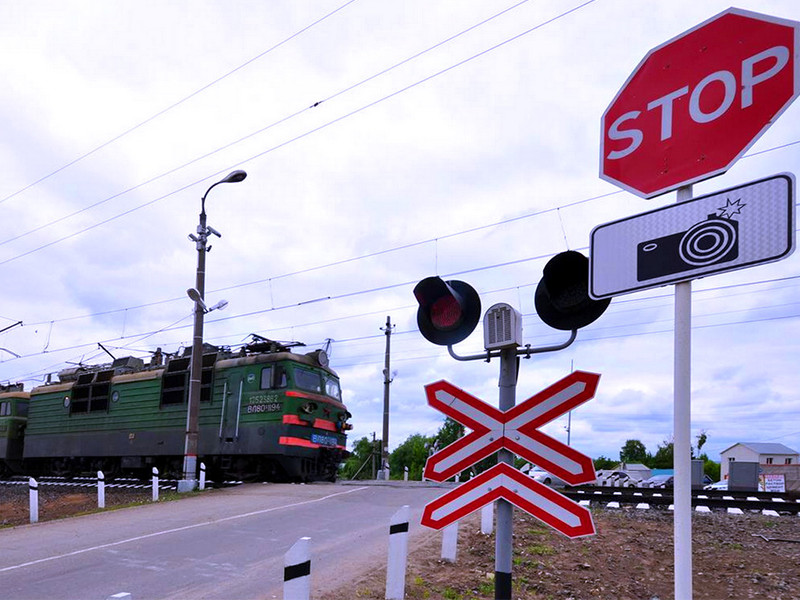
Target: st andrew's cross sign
{"points": [[516, 430]]}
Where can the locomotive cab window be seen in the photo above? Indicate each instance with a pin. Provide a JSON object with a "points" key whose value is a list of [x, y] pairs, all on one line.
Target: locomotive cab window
{"points": [[306, 379], [5, 409], [273, 377], [22, 409], [332, 388]]}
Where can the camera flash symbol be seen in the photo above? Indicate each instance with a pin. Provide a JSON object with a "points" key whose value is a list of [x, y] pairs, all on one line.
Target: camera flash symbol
{"points": [[731, 208]]}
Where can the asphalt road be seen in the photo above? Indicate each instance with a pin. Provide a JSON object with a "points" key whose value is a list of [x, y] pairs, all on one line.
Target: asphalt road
{"points": [[224, 544]]}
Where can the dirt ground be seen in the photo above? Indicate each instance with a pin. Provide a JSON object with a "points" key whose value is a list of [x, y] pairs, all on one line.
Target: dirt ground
{"points": [[57, 503], [629, 558]]}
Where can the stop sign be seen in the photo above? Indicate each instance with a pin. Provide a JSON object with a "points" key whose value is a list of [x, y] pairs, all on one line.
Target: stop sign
{"points": [[695, 104]]}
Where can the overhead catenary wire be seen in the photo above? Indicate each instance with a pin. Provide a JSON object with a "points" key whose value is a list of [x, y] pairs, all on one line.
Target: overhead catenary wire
{"points": [[295, 138], [178, 103]]}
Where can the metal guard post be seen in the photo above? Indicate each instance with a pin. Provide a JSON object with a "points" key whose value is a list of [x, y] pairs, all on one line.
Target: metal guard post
{"points": [[527, 351]]}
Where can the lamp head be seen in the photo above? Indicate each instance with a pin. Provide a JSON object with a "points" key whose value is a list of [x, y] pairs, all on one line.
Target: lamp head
{"points": [[235, 177]]}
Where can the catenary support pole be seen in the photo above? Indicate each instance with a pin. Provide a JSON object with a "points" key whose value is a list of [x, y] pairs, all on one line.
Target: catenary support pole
{"points": [[383, 473], [155, 484], [101, 490], [682, 422], [33, 486], [297, 571], [505, 510], [398, 555]]}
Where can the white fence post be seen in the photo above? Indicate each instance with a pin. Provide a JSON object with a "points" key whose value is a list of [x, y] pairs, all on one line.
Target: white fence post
{"points": [[398, 555], [202, 476], [450, 542], [33, 486], [155, 484], [487, 519], [297, 571], [101, 490], [405, 473]]}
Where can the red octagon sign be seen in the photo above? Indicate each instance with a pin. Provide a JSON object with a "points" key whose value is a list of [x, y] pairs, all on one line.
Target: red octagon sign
{"points": [[695, 104]]}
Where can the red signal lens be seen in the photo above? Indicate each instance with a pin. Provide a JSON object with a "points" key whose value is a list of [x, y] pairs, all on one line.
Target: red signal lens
{"points": [[446, 312]]}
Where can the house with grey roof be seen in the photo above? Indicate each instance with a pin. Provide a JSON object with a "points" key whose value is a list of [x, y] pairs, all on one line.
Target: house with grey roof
{"points": [[766, 454]]}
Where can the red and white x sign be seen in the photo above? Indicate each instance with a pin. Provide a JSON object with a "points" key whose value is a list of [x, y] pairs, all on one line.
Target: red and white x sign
{"points": [[504, 481], [515, 429]]}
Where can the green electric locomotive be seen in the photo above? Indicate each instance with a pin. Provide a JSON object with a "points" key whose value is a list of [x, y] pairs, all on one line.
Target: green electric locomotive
{"points": [[266, 413]]}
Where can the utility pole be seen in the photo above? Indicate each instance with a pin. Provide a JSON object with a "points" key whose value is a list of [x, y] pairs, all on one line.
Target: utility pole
{"points": [[387, 380], [373, 455]]}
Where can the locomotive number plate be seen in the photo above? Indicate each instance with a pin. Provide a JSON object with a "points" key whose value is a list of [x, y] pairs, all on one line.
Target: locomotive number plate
{"points": [[323, 440]]}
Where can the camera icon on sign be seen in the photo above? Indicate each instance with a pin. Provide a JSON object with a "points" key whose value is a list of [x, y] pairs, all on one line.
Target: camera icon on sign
{"points": [[714, 240]]}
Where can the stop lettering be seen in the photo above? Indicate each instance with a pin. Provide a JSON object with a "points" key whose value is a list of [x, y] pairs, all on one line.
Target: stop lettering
{"points": [[694, 105]]}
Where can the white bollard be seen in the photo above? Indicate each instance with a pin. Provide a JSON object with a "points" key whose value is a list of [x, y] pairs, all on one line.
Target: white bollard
{"points": [[33, 486], [487, 519], [155, 484], [297, 571], [405, 473], [101, 490], [450, 542], [398, 555], [202, 476]]}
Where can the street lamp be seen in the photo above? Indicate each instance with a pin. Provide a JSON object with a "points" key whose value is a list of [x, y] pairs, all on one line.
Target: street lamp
{"points": [[188, 480]]}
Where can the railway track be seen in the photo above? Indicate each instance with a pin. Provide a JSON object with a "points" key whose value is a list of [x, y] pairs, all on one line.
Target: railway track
{"points": [[735, 502], [119, 483]]}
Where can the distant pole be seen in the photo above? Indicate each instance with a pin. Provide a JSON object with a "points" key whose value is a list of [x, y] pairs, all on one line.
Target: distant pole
{"points": [[33, 486], [373, 454], [101, 490], [387, 380]]}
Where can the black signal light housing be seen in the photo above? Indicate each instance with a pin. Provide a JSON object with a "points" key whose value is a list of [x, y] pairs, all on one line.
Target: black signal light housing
{"points": [[448, 311], [562, 296]]}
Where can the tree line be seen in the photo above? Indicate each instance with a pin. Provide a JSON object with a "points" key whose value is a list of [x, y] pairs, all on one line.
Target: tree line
{"points": [[412, 453]]}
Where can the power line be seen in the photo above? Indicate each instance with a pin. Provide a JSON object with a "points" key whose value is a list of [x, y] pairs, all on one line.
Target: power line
{"points": [[300, 136], [174, 105], [250, 135]]}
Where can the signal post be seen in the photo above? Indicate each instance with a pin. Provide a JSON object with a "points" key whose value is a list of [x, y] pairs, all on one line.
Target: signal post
{"points": [[448, 313]]}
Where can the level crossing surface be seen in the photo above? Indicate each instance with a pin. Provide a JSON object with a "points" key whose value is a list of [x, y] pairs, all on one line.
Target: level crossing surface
{"points": [[222, 544]]}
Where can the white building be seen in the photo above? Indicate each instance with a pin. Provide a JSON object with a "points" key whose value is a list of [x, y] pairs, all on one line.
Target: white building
{"points": [[763, 453]]}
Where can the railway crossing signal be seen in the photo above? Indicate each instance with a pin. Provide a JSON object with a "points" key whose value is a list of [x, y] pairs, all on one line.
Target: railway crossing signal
{"points": [[515, 429], [562, 296], [448, 310]]}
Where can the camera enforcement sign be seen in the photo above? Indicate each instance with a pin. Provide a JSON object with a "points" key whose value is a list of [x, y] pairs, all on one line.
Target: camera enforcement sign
{"points": [[733, 229]]}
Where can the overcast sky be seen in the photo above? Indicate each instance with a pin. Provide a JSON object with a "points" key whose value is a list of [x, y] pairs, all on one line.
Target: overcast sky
{"points": [[384, 142]]}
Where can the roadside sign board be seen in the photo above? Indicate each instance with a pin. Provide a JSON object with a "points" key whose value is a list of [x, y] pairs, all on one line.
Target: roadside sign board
{"points": [[506, 482], [515, 429], [736, 228], [696, 103]]}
